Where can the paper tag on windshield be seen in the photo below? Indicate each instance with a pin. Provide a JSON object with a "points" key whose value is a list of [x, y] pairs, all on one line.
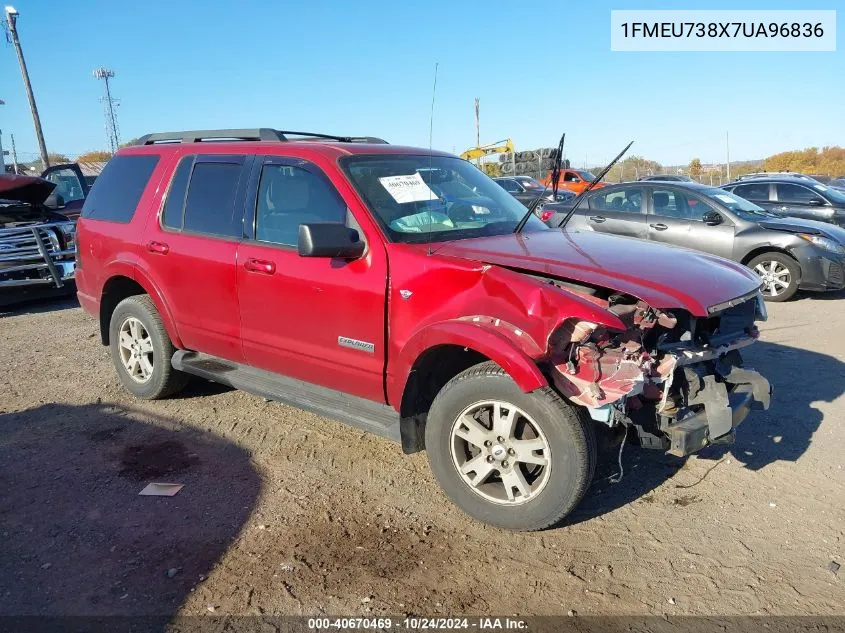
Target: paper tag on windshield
{"points": [[725, 198], [410, 188]]}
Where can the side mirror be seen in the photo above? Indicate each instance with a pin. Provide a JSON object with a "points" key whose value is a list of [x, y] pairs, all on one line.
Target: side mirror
{"points": [[815, 202], [54, 201], [329, 239], [711, 218]]}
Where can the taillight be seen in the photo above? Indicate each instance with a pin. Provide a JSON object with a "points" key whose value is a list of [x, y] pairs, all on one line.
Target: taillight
{"points": [[545, 215]]}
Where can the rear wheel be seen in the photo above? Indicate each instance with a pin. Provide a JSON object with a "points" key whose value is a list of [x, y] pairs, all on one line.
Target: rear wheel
{"points": [[780, 275], [141, 350], [520, 461]]}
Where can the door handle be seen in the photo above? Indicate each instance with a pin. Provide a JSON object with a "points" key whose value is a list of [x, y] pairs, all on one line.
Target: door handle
{"points": [[158, 247], [597, 218], [659, 227], [260, 266]]}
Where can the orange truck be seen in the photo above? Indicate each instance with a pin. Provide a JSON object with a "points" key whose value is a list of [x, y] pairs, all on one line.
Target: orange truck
{"points": [[573, 179]]}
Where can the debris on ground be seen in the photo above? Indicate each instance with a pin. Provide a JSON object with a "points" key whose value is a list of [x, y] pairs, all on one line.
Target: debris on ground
{"points": [[833, 566], [161, 490]]}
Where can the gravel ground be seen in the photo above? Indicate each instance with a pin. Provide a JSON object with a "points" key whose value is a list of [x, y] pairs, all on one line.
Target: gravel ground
{"points": [[284, 512]]}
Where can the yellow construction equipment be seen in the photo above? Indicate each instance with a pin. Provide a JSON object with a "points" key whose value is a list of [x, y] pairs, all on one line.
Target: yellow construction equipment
{"points": [[499, 147]]}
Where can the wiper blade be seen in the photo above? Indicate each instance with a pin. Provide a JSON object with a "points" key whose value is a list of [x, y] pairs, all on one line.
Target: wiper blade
{"points": [[555, 179], [592, 184]]}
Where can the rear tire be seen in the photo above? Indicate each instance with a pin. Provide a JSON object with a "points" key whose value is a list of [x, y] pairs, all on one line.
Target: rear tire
{"points": [[141, 350], [780, 275], [520, 461]]}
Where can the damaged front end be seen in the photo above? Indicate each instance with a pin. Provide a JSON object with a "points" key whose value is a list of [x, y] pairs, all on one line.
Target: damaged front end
{"points": [[676, 378]]}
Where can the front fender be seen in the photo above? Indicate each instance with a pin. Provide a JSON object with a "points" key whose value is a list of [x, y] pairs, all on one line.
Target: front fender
{"points": [[481, 334]]}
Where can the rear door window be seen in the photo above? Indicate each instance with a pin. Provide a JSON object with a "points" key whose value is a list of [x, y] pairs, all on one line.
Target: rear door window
{"points": [[117, 191], [757, 191], [620, 201], [210, 202]]}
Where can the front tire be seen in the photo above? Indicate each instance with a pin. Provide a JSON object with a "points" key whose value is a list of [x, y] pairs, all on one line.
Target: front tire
{"points": [[520, 461], [780, 275], [141, 350]]}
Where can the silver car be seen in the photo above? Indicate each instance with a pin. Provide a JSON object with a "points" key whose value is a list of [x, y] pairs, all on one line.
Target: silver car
{"points": [[788, 253]]}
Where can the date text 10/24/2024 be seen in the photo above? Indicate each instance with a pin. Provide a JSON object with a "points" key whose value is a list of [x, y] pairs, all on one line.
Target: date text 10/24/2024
{"points": [[417, 624]]}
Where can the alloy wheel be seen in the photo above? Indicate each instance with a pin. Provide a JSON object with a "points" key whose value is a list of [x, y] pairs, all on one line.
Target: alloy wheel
{"points": [[500, 452], [776, 277], [136, 349]]}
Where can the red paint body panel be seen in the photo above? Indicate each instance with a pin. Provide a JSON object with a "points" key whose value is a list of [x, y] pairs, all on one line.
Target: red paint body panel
{"points": [[663, 276], [285, 313]]}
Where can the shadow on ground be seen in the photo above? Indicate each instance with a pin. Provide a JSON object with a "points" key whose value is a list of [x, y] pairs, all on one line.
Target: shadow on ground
{"points": [[77, 537], [799, 379], [32, 303], [822, 296]]}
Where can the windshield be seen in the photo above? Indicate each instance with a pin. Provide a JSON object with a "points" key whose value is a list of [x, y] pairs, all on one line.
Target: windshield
{"points": [[529, 183], [742, 207], [586, 175], [421, 199], [837, 197]]}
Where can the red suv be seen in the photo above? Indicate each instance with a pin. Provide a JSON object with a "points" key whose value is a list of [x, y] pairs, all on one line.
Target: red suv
{"points": [[388, 287]]}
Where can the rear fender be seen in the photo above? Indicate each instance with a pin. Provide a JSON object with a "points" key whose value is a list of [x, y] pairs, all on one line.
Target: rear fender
{"points": [[127, 269]]}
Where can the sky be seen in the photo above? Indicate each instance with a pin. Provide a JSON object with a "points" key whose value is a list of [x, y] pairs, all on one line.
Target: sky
{"points": [[367, 68]]}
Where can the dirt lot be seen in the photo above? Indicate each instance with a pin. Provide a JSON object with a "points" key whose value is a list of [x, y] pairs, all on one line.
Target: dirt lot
{"points": [[284, 512]]}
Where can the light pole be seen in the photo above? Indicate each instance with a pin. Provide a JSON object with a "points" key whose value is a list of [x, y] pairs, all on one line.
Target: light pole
{"points": [[12, 19]]}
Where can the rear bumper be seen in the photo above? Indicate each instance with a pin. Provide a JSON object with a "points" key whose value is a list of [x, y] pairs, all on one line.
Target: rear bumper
{"points": [[88, 303]]}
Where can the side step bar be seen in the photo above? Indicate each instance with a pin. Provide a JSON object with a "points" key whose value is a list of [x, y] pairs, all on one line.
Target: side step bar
{"points": [[369, 416]]}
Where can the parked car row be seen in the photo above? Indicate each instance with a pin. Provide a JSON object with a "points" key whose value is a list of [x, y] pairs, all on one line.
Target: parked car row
{"points": [[781, 238], [527, 189]]}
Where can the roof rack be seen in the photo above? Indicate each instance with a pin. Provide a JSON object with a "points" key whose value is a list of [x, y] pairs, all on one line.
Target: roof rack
{"points": [[248, 134], [774, 174]]}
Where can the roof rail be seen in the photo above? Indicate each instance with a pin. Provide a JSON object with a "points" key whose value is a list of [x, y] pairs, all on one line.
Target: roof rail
{"points": [[775, 174], [247, 134]]}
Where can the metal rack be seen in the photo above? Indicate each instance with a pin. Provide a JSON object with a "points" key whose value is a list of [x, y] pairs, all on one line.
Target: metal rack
{"points": [[249, 134]]}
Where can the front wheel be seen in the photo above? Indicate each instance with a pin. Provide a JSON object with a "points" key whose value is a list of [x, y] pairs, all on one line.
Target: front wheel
{"points": [[521, 461], [780, 275]]}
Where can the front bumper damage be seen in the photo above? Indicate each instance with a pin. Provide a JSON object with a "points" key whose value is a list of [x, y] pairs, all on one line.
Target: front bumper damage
{"points": [[678, 380]]}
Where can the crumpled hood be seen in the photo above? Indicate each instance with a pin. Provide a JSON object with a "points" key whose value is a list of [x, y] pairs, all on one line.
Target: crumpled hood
{"points": [[799, 225], [663, 276], [29, 189]]}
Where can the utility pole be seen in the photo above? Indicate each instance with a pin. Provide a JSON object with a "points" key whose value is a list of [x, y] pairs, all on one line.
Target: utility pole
{"points": [[728, 152], [108, 108], [14, 155], [12, 19]]}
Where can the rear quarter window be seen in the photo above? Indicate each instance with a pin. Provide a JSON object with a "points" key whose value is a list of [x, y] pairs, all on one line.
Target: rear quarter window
{"points": [[118, 189]]}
